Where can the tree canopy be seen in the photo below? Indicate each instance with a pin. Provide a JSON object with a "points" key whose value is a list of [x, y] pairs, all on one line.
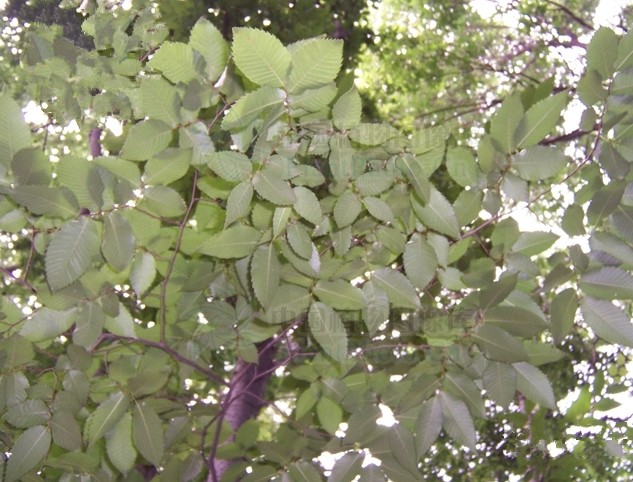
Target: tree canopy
{"points": [[261, 277]]}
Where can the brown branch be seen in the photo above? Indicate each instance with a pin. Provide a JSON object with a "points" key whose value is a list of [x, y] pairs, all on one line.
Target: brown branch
{"points": [[571, 14], [94, 142]]}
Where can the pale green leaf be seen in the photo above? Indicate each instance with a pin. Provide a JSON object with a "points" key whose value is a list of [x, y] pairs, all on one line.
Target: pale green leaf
{"points": [[412, 169], [328, 330], [143, 272], [167, 166], [374, 182], [497, 344], [238, 203], [438, 214], [196, 137], [121, 168], [515, 320], [106, 415], [27, 414], [289, 303], [590, 88], [462, 386], [562, 313], [462, 166], [280, 220], [500, 382], [539, 162], [315, 63], [176, 61], [608, 321], [66, 430], [71, 252], [540, 120], [159, 100], [145, 139], [147, 433], [428, 425], [403, 447], [420, 261], [231, 166], [273, 188], [207, 39], [505, 122], [347, 209], [376, 309], [260, 56], [119, 447], [15, 134], [346, 111], [339, 294], [379, 209], [122, 324], [372, 134], [399, 289], [372, 473], [234, 242], [534, 242], [330, 414], [265, 273], [457, 421], [602, 52], [605, 201], [308, 176], [31, 167], [118, 241], [299, 240], [303, 471], [27, 452], [249, 107], [164, 201], [312, 100], [89, 324], [573, 220], [540, 353], [532, 383], [341, 157], [307, 205], [608, 283], [46, 324], [347, 467], [49, 201]]}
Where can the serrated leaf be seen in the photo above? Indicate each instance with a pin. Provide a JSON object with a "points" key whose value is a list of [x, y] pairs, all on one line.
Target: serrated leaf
{"points": [[457, 421], [66, 430], [539, 162], [462, 166], [307, 205], [573, 221], [398, 288], [347, 467], [46, 324], [534, 242], [238, 203], [346, 111], [605, 201], [31, 167], [428, 425], [260, 56], [463, 387], [299, 240], [540, 120], [106, 415], [159, 100], [167, 166], [15, 134], [312, 100], [145, 139], [374, 182], [122, 324], [347, 209], [147, 382], [562, 313], [164, 201], [315, 63], [608, 321], [339, 294], [341, 157], [118, 241], [608, 283], [142, 272], [49, 201], [402, 446], [303, 471], [500, 382], [328, 330], [289, 303], [376, 309], [71, 252], [410, 167], [89, 324], [505, 122], [330, 414], [207, 39], [119, 447], [515, 320], [176, 61], [372, 134], [265, 274], [540, 353], [231, 166], [420, 262], [438, 214], [273, 188], [27, 452], [126, 170], [379, 209], [250, 106], [234, 242], [27, 414], [534, 385], [147, 433], [602, 51]]}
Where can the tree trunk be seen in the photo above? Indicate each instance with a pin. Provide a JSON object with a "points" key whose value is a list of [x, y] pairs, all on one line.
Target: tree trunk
{"points": [[245, 398]]}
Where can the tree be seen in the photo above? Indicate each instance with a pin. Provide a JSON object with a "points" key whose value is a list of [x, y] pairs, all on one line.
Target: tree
{"points": [[251, 275]]}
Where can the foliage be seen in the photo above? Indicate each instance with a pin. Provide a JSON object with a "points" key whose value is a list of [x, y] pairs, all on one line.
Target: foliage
{"points": [[250, 242]]}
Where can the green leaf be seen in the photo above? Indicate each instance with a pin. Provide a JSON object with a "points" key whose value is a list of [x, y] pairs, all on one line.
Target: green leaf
{"points": [[534, 242], [159, 100], [119, 447], [328, 330], [372, 473], [379, 209], [374, 182], [27, 452], [289, 303], [65, 430], [208, 40], [147, 433], [142, 273], [303, 472], [265, 273], [420, 262], [608, 321], [602, 52], [500, 382], [238, 203], [428, 425], [416, 175], [605, 201], [346, 111], [27, 414], [312, 100], [280, 220], [71, 252], [462, 386], [539, 162], [515, 320], [231, 166], [562, 313], [573, 221], [315, 63], [541, 353], [398, 288], [540, 120], [347, 209], [235, 242], [498, 344], [167, 166], [147, 382], [122, 324], [249, 107], [462, 166], [341, 157], [176, 61], [402, 446], [590, 88], [376, 309], [608, 283], [145, 139], [48, 201], [31, 167], [118, 241], [15, 134], [89, 324], [347, 467], [438, 214], [532, 383], [260, 56], [340, 295], [307, 205], [122, 169], [164, 201], [107, 414], [46, 324], [273, 188], [372, 134], [330, 414], [300, 240], [457, 421], [497, 292], [505, 122]]}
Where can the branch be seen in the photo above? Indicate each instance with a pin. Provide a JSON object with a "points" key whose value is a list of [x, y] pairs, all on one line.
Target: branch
{"points": [[571, 14], [94, 142]]}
